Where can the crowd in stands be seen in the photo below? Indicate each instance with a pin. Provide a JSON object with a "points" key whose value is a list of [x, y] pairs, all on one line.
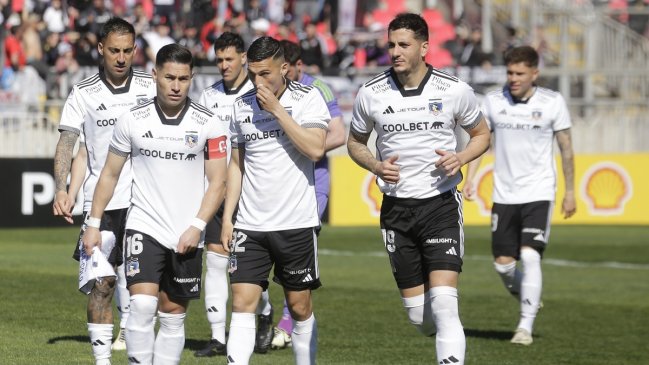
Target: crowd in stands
{"points": [[57, 37]]}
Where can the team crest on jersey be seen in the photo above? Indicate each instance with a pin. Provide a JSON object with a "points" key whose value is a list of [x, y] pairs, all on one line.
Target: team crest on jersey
{"points": [[536, 114], [141, 99], [191, 139], [435, 106]]}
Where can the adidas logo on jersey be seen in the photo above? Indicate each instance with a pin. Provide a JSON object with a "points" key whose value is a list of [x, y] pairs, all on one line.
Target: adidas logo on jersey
{"points": [[450, 360], [452, 251], [194, 289], [307, 278], [101, 107], [247, 120], [216, 105], [389, 110], [147, 135]]}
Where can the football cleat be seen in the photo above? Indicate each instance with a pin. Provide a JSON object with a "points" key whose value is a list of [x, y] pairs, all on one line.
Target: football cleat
{"points": [[264, 333], [120, 341], [213, 348], [281, 339], [522, 337]]}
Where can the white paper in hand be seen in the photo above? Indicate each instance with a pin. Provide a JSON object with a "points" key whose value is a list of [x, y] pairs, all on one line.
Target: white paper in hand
{"points": [[96, 267]]}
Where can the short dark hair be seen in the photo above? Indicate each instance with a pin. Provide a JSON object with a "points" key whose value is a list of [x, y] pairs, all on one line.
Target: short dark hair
{"points": [[229, 39], [292, 51], [174, 53], [525, 54], [263, 48], [116, 25], [410, 21]]}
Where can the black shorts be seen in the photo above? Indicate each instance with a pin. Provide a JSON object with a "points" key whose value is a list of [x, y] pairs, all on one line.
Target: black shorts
{"points": [[213, 228], [516, 225], [422, 235], [294, 253], [147, 261], [114, 221]]}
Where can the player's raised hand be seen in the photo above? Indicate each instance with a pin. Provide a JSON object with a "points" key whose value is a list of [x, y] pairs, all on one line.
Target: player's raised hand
{"points": [[227, 229], [267, 99], [91, 238], [63, 206], [388, 170], [188, 241], [449, 162]]}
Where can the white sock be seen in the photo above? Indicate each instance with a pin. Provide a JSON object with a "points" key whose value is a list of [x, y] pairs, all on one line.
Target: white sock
{"points": [[531, 287], [511, 277], [170, 340], [216, 293], [122, 297], [450, 342], [241, 342], [101, 336], [140, 336], [420, 313], [264, 306], [305, 341]]}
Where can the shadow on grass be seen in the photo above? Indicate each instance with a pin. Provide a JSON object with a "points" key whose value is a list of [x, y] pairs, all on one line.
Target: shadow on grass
{"points": [[492, 335], [53, 341]]}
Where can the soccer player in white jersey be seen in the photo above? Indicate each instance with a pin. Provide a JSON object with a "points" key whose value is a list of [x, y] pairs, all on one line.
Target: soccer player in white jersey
{"points": [[278, 132], [90, 111], [219, 98], [525, 119], [175, 145], [414, 110]]}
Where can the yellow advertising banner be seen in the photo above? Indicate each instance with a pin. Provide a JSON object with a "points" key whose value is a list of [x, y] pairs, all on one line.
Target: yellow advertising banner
{"points": [[608, 191]]}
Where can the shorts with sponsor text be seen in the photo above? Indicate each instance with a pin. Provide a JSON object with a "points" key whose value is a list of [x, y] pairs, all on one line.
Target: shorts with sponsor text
{"points": [[516, 225], [422, 235], [147, 261], [114, 221], [293, 252]]}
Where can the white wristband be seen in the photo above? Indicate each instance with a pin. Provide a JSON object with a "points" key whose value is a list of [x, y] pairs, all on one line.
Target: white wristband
{"points": [[199, 223], [93, 222]]}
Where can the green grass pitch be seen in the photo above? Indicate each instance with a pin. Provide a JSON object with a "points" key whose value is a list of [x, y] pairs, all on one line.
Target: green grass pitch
{"points": [[596, 296]]}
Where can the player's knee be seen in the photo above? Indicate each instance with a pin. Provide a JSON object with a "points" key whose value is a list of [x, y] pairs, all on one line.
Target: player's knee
{"points": [[445, 306], [301, 310], [530, 256], [419, 314], [143, 309], [103, 290], [505, 268]]}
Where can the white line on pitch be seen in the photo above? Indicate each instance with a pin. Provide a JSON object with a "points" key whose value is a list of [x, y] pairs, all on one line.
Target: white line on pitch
{"points": [[553, 262]]}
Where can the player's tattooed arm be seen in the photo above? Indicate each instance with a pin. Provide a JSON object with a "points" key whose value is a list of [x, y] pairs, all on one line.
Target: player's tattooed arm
{"points": [[564, 139], [62, 163], [387, 170]]}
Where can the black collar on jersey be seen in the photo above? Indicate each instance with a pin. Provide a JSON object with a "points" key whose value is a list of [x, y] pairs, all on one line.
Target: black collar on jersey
{"points": [[174, 121], [120, 90], [515, 100], [412, 92], [235, 91]]}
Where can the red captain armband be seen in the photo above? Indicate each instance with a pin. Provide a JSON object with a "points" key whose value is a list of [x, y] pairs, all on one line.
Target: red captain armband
{"points": [[216, 148]]}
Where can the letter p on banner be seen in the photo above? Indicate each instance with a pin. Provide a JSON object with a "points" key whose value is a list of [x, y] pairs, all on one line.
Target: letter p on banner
{"points": [[216, 148]]}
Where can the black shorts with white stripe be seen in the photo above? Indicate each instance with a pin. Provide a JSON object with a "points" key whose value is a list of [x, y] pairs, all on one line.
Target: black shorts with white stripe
{"points": [[423, 235], [516, 225]]}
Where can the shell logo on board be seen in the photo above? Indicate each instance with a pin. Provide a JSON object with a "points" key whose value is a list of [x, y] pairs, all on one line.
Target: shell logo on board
{"points": [[606, 187], [484, 189], [372, 195]]}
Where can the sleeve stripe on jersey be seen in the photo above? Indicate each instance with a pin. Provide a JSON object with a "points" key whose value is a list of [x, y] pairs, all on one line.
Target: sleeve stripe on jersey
{"points": [[294, 86], [114, 150], [142, 74], [247, 94], [378, 78], [91, 81], [357, 134], [326, 92], [474, 123], [214, 86], [314, 125], [444, 75], [147, 103], [201, 108], [69, 129]]}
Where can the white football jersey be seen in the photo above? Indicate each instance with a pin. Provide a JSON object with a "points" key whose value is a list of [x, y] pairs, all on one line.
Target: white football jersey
{"points": [[278, 187], [168, 166], [413, 124], [91, 111], [524, 167], [220, 99]]}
